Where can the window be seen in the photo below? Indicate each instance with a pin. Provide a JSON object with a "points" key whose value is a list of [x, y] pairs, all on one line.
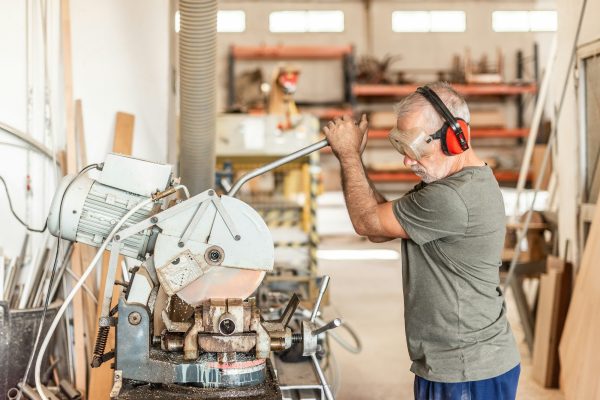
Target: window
{"points": [[231, 21], [306, 21], [429, 21], [524, 21], [227, 21]]}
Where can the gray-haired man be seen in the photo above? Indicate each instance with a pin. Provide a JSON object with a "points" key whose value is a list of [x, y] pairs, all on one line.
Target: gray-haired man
{"points": [[453, 226]]}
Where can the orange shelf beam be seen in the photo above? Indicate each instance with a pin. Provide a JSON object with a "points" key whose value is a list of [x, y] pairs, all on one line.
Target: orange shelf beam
{"points": [[464, 89], [407, 176], [290, 52], [476, 133]]}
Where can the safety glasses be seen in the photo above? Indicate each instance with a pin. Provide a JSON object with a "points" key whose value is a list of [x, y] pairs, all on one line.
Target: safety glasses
{"points": [[414, 143]]}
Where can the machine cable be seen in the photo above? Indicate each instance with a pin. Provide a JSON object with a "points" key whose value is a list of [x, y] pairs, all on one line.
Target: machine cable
{"points": [[80, 283], [52, 276], [12, 210]]}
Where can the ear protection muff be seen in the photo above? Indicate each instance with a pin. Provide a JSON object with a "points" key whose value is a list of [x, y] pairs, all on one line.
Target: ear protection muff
{"points": [[454, 134]]}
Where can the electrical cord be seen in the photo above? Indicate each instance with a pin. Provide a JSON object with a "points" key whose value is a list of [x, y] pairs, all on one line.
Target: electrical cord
{"points": [[12, 210], [67, 301], [52, 275], [78, 285]]}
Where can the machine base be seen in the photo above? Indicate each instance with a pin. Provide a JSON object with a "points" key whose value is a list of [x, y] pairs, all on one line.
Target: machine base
{"points": [[268, 390]]}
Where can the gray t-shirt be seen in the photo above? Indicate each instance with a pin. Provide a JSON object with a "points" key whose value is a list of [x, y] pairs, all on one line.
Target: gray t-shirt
{"points": [[454, 309]]}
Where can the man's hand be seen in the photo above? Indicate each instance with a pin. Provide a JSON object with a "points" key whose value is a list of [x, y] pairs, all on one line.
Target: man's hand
{"points": [[346, 137]]}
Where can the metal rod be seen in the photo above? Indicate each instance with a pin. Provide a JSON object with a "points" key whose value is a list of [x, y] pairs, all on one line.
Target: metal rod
{"points": [[534, 129], [336, 323], [321, 375], [277, 163], [27, 139], [110, 279], [322, 290]]}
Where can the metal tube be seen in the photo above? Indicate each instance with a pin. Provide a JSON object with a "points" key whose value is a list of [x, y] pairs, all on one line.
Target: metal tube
{"points": [[28, 391], [39, 147], [277, 163], [197, 93], [321, 375], [535, 125], [317, 305], [330, 325]]}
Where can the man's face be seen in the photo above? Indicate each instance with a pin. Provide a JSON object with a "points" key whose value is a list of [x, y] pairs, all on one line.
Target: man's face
{"points": [[430, 167]]}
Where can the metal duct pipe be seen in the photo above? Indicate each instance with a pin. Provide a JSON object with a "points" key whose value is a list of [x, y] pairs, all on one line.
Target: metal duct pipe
{"points": [[197, 105]]}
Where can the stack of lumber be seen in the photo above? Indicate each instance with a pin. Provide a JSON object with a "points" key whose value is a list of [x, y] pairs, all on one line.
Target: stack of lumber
{"points": [[580, 344], [553, 303]]}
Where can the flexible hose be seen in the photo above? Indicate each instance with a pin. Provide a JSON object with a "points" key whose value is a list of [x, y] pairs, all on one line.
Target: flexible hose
{"points": [[198, 84]]}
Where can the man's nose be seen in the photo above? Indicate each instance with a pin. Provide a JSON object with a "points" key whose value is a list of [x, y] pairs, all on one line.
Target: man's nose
{"points": [[409, 161]]}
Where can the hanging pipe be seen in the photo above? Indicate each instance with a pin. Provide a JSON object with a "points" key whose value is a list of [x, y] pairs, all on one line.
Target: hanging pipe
{"points": [[197, 77]]}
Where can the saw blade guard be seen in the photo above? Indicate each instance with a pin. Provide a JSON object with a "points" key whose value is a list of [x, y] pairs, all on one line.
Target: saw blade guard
{"points": [[226, 255]]}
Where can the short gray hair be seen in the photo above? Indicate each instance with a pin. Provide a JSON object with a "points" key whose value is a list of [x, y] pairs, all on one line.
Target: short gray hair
{"points": [[415, 102]]}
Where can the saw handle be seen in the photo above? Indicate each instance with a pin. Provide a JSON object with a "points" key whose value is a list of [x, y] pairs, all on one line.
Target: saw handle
{"points": [[277, 163]]}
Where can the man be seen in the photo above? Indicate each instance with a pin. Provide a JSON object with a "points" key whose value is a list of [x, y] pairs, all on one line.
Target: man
{"points": [[453, 226]]}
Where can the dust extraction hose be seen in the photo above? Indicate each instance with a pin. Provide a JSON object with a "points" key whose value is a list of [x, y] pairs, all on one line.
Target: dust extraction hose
{"points": [[197, 88]]}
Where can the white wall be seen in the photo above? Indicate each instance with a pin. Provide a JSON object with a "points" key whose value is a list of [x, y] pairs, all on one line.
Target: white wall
{"points": [[120, 63]]}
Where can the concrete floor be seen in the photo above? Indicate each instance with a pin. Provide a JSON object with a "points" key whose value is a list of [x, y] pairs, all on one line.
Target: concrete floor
{"points": [[368, 296]]}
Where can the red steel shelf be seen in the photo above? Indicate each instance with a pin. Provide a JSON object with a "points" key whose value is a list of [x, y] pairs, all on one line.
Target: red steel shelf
{"points": [[289, 52], [465, 89], [408, 176], [475, 132]]}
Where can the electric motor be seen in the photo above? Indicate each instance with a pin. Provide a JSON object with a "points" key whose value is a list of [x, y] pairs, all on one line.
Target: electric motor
{"points": [[91, 208]]}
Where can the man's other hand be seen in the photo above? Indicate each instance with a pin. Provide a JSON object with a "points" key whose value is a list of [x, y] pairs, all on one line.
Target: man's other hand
{"points": [[345, 136]]}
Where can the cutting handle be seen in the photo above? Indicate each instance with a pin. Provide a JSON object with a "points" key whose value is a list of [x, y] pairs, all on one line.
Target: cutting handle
{"points": [[277, 163]]}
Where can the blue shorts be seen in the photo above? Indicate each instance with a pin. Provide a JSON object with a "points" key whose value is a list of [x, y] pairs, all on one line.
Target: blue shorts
{"points": [[503, 387]]}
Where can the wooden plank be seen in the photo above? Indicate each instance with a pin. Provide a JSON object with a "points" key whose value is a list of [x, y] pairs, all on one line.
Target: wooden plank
{"points": [[555, 293], [101, 378], [86, 253], [81, 341], [65, 15], [123, 141], [80, 133], [579, 348]]}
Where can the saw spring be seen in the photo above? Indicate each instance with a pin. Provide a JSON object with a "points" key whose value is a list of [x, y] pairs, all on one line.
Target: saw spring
{"points": [[100, 346]]}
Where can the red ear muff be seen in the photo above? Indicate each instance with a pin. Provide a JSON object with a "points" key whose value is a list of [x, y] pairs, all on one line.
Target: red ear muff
{"points": [[450, 143]]}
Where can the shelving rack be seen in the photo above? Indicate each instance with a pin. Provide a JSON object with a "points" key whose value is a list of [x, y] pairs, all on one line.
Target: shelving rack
{"points": [[343, 53], [477, 91]]}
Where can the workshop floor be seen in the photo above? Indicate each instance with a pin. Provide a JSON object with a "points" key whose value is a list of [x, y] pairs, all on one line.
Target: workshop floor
{"points": [[368, 296]]}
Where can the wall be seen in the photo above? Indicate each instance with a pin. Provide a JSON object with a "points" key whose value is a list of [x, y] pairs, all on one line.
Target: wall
{"points": [[568, 140], [120, 63]]}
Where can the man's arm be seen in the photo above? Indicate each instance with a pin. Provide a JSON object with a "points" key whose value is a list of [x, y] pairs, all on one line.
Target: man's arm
{"points": [[380, 200], [370, 213]]}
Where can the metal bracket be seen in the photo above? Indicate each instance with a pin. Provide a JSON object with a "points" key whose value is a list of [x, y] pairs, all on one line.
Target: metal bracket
{"points": [[117, 384]]}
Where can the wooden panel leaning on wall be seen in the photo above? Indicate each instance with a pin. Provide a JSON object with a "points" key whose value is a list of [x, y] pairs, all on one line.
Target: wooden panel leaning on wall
{"points": [[579, 348]]}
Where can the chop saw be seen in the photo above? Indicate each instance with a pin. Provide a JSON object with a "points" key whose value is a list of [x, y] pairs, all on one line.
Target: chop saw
{"points": [[186, 323]]}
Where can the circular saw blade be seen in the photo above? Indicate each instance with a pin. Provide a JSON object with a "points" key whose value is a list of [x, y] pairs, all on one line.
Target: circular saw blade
{"points": [[245, 261]]}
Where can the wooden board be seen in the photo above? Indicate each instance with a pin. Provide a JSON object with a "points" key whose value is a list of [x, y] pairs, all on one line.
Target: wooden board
{"points": [[123, 142], [555, 294], [536, 165], [579, 348], [101, 378], [80, 316]]}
